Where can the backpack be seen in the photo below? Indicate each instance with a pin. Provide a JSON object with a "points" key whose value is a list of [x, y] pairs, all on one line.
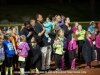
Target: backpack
{"points": [[2, 55]]}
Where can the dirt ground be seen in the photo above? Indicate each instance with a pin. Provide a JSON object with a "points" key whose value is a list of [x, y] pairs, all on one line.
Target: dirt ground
{"points": [[81, 70]]}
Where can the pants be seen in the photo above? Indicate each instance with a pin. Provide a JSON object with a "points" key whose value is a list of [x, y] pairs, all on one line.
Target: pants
{"points": [[46, 56], [22, 64], [98, 54], [9, 61], [0, 67], [58, 59], [80, 45]]}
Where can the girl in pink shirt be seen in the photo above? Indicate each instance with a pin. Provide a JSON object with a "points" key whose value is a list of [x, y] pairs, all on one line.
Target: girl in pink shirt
{"points": [[98, 46], [72, 51]]}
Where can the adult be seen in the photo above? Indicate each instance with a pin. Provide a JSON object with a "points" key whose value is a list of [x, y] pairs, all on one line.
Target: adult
{"points": [[45, 46], [80, 37], [27, 31], [59, 20], [68, 34]]}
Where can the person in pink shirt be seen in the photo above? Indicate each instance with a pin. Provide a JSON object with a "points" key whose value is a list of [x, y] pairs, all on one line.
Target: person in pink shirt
{"points": [[88, 50], [75, 27], [72, 46], [98, 46]]}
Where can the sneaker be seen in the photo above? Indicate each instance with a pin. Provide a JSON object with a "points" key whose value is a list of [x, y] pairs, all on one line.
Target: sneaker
{"points": [[49, 39], [74, 68], [87, 67], [57, 69], [43, 68], [99, 62]]}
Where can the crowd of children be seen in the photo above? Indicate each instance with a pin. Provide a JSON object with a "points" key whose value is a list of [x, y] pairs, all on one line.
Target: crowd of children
{"points": [[16, 49]]}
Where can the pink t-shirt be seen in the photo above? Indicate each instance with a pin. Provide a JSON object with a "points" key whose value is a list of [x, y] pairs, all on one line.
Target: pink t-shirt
{"points": [[74, 29]]}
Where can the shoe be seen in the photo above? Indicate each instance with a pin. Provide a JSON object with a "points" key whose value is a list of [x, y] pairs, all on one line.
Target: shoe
{"points": [[87, 67], [49, 40], [43, 68], [57, 69], [74, 69], [99, 62], [92, 67]]}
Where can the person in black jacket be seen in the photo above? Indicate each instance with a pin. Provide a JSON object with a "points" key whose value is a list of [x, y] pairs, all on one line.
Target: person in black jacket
{"points": [[88, 50], [67, 34], [28, 31], [36, 59]]}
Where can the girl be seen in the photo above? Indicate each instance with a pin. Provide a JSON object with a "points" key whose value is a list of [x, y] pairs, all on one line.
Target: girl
{"points": [[22, 50], [2, 54], [80, 37], [48, 25], [15, 40], [98, 46], [36, 55], [9, 52], [72, 51], [75, 27], [58, 49], [88, 50]]}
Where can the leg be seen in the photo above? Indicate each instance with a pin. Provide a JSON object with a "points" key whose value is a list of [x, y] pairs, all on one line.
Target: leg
{"points": [[22, 66], [48, 57], [56, 61], [44, 51], [10, 65]]}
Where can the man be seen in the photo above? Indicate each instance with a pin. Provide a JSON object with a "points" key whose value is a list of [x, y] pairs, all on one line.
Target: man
{"points": [[27, 31], [45, 46]]}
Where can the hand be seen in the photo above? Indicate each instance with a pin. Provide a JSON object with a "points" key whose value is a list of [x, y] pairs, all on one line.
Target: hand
{"points": [[16, 52], [30, 32], [20, 51], [64, 52], [69, 28], [44, 28], [47, 32]]}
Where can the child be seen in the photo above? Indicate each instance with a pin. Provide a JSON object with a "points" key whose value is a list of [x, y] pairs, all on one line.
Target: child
{"points": [[48, 25], [15, 40], [9, 53], [2, 54], [72, 46], [75, 27], [88, 50], [58, 50], [36, 55], [98, 46], [22, 50]]}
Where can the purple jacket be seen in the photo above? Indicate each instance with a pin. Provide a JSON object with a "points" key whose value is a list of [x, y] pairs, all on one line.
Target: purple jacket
{"points": [[24, 49], [97, 41], [71, 45]]}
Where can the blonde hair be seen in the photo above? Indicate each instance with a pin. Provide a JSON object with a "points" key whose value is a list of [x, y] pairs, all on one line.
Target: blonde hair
{"points": [[74, 36], [22, 38], [9, 32], [7, 36], [60, 33], [88, 32]]}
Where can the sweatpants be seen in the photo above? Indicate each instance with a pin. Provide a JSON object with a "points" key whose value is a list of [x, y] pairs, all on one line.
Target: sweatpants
{"points": [[98, 54], [58, 61], [46, 57]]}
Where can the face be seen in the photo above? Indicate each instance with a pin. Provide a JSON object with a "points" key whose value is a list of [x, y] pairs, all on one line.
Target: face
{"points": [[93, 25], [33, 40], [67, 20], [76, 24], [79, 27], [33, 23], [28, 26], [14, 30], [89, 35], [40, 18], [47, 19], [58, 18], [58, 41]]}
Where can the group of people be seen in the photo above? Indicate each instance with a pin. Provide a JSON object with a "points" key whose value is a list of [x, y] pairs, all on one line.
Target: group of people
{"points": [[40, 42]]}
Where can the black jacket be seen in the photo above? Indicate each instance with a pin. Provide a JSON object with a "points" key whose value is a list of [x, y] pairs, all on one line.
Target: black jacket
{"points": [[36, 56], [26, 32], [67, 33], [88, 51]]}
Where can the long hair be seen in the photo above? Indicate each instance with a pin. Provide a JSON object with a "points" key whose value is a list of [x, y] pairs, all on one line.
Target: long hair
{"points": [[60, 33], [74, 36], [22, 38]]}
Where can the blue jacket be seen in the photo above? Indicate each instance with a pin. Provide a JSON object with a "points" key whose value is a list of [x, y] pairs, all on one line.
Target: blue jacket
{"points": [[48, 25], [8, 48]]}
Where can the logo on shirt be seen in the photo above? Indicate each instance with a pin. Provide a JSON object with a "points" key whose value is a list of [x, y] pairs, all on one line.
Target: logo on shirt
{"points": [[10, 46]]}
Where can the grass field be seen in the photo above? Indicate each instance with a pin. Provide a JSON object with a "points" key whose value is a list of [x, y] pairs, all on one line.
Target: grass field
{"points": [[20, 13]]}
